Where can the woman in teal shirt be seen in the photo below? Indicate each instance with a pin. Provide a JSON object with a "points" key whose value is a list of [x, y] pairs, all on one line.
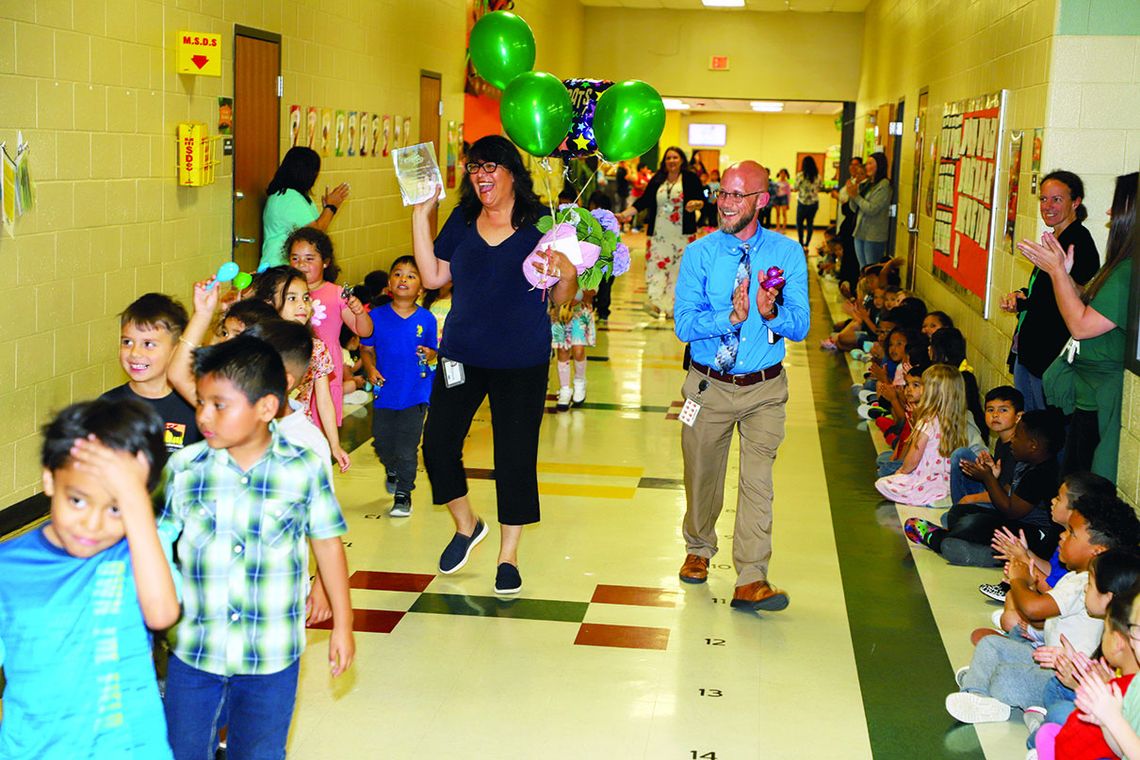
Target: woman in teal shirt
{"points": [[1089, 382], [288, 205]]}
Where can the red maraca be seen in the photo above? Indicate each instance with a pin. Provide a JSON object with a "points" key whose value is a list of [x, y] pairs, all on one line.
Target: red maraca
{"points": [[775, 279]]}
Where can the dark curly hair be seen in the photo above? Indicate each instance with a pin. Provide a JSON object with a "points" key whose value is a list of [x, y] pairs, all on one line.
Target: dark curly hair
{"points": [[527, 207], [1112, 522], [321, 243]]}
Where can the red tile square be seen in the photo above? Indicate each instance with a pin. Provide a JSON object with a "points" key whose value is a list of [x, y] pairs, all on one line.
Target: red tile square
{"points": [[624, 636], [369, 621], [637, 596], [376, 581]]}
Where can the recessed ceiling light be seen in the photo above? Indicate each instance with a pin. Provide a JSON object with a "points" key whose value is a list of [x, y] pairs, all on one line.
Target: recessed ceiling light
{"points": [[767, 106], [723, 3], [675, 104]]}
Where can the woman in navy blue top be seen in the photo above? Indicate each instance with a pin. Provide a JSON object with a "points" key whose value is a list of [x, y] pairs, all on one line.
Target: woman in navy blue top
{"points": [[496, 343]]}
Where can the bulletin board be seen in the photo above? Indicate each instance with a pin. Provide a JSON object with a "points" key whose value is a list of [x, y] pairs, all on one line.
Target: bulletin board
{"points": [[970, 161]]}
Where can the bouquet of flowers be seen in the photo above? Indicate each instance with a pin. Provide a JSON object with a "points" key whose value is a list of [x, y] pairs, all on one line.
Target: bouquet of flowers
{"points": [[590, 239]]}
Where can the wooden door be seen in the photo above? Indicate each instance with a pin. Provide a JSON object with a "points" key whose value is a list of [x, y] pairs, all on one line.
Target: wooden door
{"points": [[916, 187], [431, 107], [257, 117], [709, 157]]}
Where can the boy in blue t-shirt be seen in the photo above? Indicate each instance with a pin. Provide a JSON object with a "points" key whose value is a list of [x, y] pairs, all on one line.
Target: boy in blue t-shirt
{"points": [[398, 359], [77, 598]]}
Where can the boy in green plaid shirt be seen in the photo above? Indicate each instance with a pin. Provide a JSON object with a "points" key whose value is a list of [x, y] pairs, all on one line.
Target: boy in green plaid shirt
{"points": [[244, 501]]}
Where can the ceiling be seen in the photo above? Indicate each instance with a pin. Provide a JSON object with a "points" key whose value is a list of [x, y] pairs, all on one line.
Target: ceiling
{"points": [[829, 108], [802, 6]]}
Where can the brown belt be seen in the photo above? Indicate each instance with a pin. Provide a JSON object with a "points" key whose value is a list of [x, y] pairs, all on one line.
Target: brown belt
{"points": [[750, 378]]}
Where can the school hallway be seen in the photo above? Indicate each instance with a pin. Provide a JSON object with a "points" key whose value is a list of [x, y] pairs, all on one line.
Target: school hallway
{"points": [[605, 653]]}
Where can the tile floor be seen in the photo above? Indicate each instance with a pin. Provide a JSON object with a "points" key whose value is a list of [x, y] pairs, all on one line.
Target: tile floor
{"points": [[605, 654]]}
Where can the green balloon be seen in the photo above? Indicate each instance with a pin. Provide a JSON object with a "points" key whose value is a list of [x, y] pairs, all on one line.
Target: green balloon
{"points": [[501, 47], [536, 112], [628, 120]]}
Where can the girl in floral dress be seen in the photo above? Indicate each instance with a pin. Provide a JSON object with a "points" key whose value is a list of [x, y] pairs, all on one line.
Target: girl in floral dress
{"points": [[939, 428]]}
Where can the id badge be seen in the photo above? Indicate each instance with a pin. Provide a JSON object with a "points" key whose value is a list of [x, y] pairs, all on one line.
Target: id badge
{"points": [[689, 412], [452, 373]]}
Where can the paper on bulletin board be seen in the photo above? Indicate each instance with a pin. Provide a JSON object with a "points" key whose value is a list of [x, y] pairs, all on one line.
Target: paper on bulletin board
{"points": [[365, 130], [312, 118], [295, 133], [341, 125], [407, 131], [398, 135], [1014, 188], [375, 134], [966, 192], [385, 135], [353, 124], [326, 132]]}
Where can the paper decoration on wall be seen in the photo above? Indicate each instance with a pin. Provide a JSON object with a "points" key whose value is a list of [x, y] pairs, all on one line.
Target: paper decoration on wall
{"points": [[375, 135], [311, 120], [407, 132], [398, 137], [452, 150], [1014, 185], [365, 131], [8, 196], [350, 143], [338, 140], [385, 135], [1035, 164], [225, 116], [326, 132], [295, 134], [966, 195], [24, 198]]}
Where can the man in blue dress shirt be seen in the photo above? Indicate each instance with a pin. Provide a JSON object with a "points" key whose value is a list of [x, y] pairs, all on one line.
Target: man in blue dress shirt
{"points": [[736, 329]]}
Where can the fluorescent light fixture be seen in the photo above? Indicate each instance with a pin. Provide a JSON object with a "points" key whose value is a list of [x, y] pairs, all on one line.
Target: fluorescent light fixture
{"points": [[723, 3], [675, 104], [767, 106]]}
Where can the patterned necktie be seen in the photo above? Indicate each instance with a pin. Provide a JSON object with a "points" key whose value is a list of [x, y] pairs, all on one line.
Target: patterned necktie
{"points": [[730, 342]]}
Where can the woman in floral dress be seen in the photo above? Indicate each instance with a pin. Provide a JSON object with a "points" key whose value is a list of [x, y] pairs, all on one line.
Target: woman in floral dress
{"points": [[673, 200]]}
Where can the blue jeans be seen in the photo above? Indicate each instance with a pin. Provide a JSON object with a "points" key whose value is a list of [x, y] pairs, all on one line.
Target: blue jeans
{"points": [[1030, 386], [960, 485], [259, 709], [869, 252]]}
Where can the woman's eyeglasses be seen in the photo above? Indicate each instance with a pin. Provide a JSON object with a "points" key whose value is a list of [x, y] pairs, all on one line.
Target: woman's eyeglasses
{"points": [[487, 167]]}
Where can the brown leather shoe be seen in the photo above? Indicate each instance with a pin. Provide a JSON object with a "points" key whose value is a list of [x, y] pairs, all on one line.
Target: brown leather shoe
{"points": [[759, 596], [695, 569]]}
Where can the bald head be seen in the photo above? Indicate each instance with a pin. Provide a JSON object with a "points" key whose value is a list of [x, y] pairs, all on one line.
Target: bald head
{"points": [[753, 175]]}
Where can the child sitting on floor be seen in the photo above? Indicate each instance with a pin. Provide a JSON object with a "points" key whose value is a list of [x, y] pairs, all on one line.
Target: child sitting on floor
{"points": [[948, 346], [939, 428], [1004, 405], [1002, 673], [890, 461], [1022, 505], [1112, 584], [935, 321]]}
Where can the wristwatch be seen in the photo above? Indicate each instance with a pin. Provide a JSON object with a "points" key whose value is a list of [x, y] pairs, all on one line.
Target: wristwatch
{"points": [[331, 208]]}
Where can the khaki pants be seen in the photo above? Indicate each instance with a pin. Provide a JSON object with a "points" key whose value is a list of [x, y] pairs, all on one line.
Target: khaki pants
{"points": [[758, 412]]}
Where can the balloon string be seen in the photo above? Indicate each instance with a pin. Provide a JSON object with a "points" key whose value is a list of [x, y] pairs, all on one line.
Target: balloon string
{"points": [[547, 172]]}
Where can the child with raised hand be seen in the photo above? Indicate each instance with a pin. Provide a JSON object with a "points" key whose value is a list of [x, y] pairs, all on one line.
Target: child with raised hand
{"points": [[1003, 673], [87, 585], [310, 252], [397, 359], [243, 503], [939, 428], [150, 329], [1111, 591], [1020, 505], [889, 462], [285, 290]]}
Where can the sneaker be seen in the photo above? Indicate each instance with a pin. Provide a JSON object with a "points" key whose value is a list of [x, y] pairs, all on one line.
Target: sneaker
{"points": [[564, 398], [960, 675], [459, 549], [871, 411], [858, 354], [507, 579], [828, 345], [391, 484], [919, 531], [868, 397], [357, 398], [967, 707], [402, 506], [579, 395], [1033, 717], [996, 618], [995, 591]]}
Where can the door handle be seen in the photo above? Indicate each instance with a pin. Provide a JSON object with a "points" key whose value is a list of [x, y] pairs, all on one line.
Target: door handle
{"points": [[240, 240], [238, 195]]}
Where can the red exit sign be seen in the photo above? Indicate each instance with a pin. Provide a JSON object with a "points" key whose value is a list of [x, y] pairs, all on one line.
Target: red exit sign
{"points": [[718, 63]]}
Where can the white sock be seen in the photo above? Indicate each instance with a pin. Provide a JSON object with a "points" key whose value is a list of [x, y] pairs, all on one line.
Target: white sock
{"points": [[563, 373], [580, 370]]}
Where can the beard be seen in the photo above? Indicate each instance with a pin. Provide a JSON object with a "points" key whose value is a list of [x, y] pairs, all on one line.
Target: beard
{"points": [[742, 220]]}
